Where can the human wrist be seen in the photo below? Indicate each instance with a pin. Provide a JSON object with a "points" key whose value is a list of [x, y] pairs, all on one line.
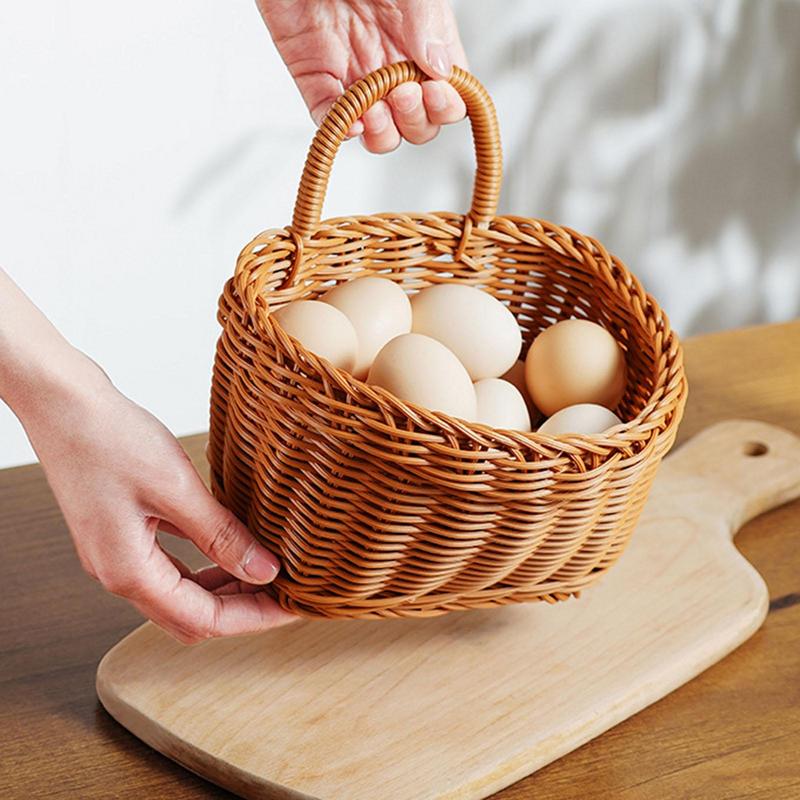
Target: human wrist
{"points": [[53, 384]]}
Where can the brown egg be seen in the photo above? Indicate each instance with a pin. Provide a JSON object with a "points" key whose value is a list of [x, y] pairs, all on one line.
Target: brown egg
{"points": [[574, 361]]}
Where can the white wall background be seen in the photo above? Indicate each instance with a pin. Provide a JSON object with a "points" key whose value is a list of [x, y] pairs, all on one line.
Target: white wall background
{"points": [[143, 144]]}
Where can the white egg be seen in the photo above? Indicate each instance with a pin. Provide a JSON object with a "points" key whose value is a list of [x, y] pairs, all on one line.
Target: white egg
{"points": [[586, 418], [322, 329], [501, 405], [421, 370], [476, 326], [379, 310]]}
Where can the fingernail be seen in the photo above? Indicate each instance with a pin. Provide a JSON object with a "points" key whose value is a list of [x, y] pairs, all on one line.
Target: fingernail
{"points": [[439, 60], [356, 129], [261, 565], [435, 97]]}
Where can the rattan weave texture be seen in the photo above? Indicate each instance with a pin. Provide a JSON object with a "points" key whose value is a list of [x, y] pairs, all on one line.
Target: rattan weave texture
{"points": [[378, 507]]}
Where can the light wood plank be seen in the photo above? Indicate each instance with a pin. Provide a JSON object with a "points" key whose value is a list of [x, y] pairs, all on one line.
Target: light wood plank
{"points": [[462, 705]]}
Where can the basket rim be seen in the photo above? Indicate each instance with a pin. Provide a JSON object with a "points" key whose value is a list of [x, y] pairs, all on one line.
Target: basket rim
{"points": [[623, 437]]}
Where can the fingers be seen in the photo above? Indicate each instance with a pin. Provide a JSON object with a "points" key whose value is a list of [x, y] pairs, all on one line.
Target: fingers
{"points": [[455, 49], [192, 614], [203, 616], [413, 112], [218, 581], [356, 129], [410, 115], [190, 606], [443, 104], [431, 36], [217, 532], [214, 579], [229, 544], [380, 132], [320, 90]]}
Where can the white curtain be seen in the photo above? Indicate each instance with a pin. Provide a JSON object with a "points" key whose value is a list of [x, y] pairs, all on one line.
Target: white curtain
{"points": [[668, 130]]}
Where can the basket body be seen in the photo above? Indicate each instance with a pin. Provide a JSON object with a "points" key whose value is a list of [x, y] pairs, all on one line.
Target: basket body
{"points": [[380, 508]]}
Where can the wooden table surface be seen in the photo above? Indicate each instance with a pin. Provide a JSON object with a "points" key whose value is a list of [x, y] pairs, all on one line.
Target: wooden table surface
{"points": [[731, 733]]}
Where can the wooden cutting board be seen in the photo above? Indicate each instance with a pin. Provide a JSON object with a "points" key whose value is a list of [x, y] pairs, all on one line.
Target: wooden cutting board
{"points": [[463, 705]]}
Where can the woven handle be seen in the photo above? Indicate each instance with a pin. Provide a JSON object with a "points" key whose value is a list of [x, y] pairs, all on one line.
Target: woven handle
{"points": [[365, 93]]}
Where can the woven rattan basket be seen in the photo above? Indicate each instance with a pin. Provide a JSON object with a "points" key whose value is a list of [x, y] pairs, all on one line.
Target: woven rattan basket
{"points": [[380, 508]]}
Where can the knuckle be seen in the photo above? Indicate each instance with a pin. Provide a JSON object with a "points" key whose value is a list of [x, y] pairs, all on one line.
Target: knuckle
{"points": [[224, 539], [383, 148], [199, 630], [182, 484], [410, 111], [188, 637], [458, 112], [183, 634], [423, 136], [202, 631], [118, 583]]}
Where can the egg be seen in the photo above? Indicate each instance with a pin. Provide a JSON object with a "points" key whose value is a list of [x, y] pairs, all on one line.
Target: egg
{"points": [[501, 405], [476, 326], [379, 310], [574, 361], [583, 418], [322, 329], [516, 377], [421, 370]]}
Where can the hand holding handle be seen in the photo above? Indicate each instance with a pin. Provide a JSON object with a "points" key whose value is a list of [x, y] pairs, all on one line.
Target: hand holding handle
{"points": [[365, 93]]}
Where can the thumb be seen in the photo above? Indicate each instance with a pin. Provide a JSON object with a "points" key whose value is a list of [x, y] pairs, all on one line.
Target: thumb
{"points": [[320, 91], [220, 535], [430, 35]]}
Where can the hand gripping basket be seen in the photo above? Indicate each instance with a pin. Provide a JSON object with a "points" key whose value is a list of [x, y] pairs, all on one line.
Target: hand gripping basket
{"points": [[378, 507]]}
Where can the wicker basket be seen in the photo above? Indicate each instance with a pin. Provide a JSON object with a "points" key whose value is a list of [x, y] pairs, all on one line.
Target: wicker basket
{"points": [[381, 508]]}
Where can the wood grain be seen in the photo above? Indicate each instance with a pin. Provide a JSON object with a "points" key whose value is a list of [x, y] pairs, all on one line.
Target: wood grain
{"points": [[460, 706], [730, 733]]}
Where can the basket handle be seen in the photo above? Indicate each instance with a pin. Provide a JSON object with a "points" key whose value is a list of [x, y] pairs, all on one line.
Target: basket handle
{"points": [[363, 95]]}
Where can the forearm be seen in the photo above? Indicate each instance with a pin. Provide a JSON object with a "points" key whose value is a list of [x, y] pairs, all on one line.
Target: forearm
{"points": [[119, 476], [36, 361]]}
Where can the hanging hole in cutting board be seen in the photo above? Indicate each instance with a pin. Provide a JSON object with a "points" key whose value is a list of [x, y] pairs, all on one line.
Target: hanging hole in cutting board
{"points": [[755, 449]]}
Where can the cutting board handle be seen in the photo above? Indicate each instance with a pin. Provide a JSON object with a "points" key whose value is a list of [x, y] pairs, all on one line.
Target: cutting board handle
{"points": [[737, 469]]}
